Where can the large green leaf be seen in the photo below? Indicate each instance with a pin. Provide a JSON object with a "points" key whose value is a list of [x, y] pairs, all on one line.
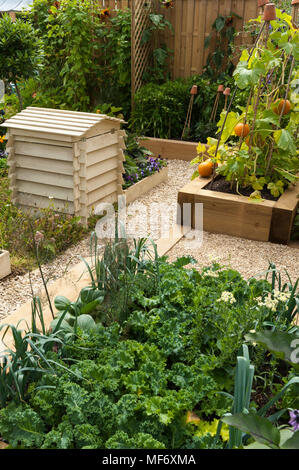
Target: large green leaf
{"points": [[259, 428], [61, 303], [280, 343], [292, 442], [285, 140], [86, 322]]}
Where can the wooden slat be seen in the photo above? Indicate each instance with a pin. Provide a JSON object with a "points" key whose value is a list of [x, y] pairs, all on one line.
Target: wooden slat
{"points": [[101, 180], [99, 142], [44, 164], [100, 193], [189, 36], [77, 113], [32, 117], [36, 123], [90, 118], [111, 198], [39, 131], [33, 201], [48, 178], [101, 167], [45, 190], [44, 151], [44, 141], [93, 158]]}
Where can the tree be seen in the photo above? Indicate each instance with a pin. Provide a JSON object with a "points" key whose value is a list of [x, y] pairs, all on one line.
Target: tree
{"points": [[20, 51]]}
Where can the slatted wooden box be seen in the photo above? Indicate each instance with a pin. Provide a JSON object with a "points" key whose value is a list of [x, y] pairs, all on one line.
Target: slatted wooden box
{"points": [[71, 159]]}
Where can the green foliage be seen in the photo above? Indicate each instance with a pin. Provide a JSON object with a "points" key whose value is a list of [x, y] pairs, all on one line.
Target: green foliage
{"points": [[262, 431], [142, 376], [267, 158], [20, 51], [219, 61], [83, 52], [156, 72], [139, 162], [281, 343], [168, 118], [57, 231]]}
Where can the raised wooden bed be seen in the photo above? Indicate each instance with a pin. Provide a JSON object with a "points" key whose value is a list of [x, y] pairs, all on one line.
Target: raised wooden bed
{"points": [[237, 215], [5, 268], [170, 149], [145, 185]]}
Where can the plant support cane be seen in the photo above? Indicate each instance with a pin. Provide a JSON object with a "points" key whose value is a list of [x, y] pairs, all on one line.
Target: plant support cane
{"points": [[231, 101], [187, 125], [216, 103]]}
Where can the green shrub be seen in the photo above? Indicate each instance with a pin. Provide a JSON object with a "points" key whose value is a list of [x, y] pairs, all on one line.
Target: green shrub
{"points": [[83, 53], [160, 110], [20, 51]]}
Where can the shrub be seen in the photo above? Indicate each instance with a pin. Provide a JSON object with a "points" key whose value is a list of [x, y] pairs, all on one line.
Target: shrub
{"points": [[160, 110], [20, 51]]}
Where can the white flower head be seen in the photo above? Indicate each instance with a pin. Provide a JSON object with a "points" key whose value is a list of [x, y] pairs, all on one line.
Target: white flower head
{"points": [[227, 297]]}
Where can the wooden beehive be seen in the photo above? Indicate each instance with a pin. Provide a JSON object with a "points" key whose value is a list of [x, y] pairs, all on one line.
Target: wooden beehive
{"points": [[75, 159]]}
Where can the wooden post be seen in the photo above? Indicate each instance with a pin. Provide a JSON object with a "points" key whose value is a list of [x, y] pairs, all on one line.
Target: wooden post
{"points": [[11, 167], [83, 182], [295, 6], [132, 54]]}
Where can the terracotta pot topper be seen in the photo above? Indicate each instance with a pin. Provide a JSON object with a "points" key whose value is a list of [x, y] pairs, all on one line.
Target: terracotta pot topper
{"points": [[193, 90], [226, 91], [261, 3], [269, 12], [295, 2], [221, 87]]}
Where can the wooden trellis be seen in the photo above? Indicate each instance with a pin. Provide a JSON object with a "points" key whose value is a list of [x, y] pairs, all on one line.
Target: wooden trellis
{"points": [[140, 52]]}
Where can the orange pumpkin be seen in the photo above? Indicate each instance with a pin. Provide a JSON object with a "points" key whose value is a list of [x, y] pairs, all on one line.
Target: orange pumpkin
{"points": [[205, 168], [242, 129], [278, 105]]}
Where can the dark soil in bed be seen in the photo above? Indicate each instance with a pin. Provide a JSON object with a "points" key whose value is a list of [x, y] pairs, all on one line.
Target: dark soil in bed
{"points": [[221, 185]]}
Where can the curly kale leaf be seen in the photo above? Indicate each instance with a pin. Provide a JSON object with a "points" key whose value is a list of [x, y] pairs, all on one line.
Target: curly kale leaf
{"points": [[21, 426]]}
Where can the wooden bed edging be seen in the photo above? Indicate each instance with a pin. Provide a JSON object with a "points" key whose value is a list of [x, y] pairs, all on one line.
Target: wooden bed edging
{"points": [[170, 149], [145, 185], [239, 216]]}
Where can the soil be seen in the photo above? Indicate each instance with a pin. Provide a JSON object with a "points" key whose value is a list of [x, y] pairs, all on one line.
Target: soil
{"points": [[221, 185]]}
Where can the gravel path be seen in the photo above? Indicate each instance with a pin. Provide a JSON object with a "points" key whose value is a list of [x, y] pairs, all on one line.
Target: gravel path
{"points": [[249, 257]]}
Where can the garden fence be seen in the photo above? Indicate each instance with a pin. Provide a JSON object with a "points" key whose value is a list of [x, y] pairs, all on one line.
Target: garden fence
{"points": [[192, 22]]}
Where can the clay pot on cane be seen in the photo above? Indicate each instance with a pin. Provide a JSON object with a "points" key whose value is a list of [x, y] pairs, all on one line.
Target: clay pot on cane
{"points": [[269, 12]]}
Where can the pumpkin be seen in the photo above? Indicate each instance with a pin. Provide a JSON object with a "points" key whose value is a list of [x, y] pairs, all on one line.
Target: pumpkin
{"points": [[205, 168], [242, 129], [278, 105]]}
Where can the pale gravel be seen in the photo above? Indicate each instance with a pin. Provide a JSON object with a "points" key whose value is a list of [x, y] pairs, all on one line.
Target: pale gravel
{"points": [[250, 258]]}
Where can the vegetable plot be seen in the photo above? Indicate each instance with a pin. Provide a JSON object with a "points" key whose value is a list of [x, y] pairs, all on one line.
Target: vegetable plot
{"points": [[256, 144]]}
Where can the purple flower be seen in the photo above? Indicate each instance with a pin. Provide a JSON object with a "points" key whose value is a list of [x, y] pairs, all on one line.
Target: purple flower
{"points": [[294, 421]]}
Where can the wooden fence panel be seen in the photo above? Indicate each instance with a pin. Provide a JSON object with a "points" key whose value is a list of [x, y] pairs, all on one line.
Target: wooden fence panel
{"points": [[192, 22]]}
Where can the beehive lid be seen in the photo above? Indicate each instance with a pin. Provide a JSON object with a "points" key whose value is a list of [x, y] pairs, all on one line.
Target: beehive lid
{"points": [[55, 121]]}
